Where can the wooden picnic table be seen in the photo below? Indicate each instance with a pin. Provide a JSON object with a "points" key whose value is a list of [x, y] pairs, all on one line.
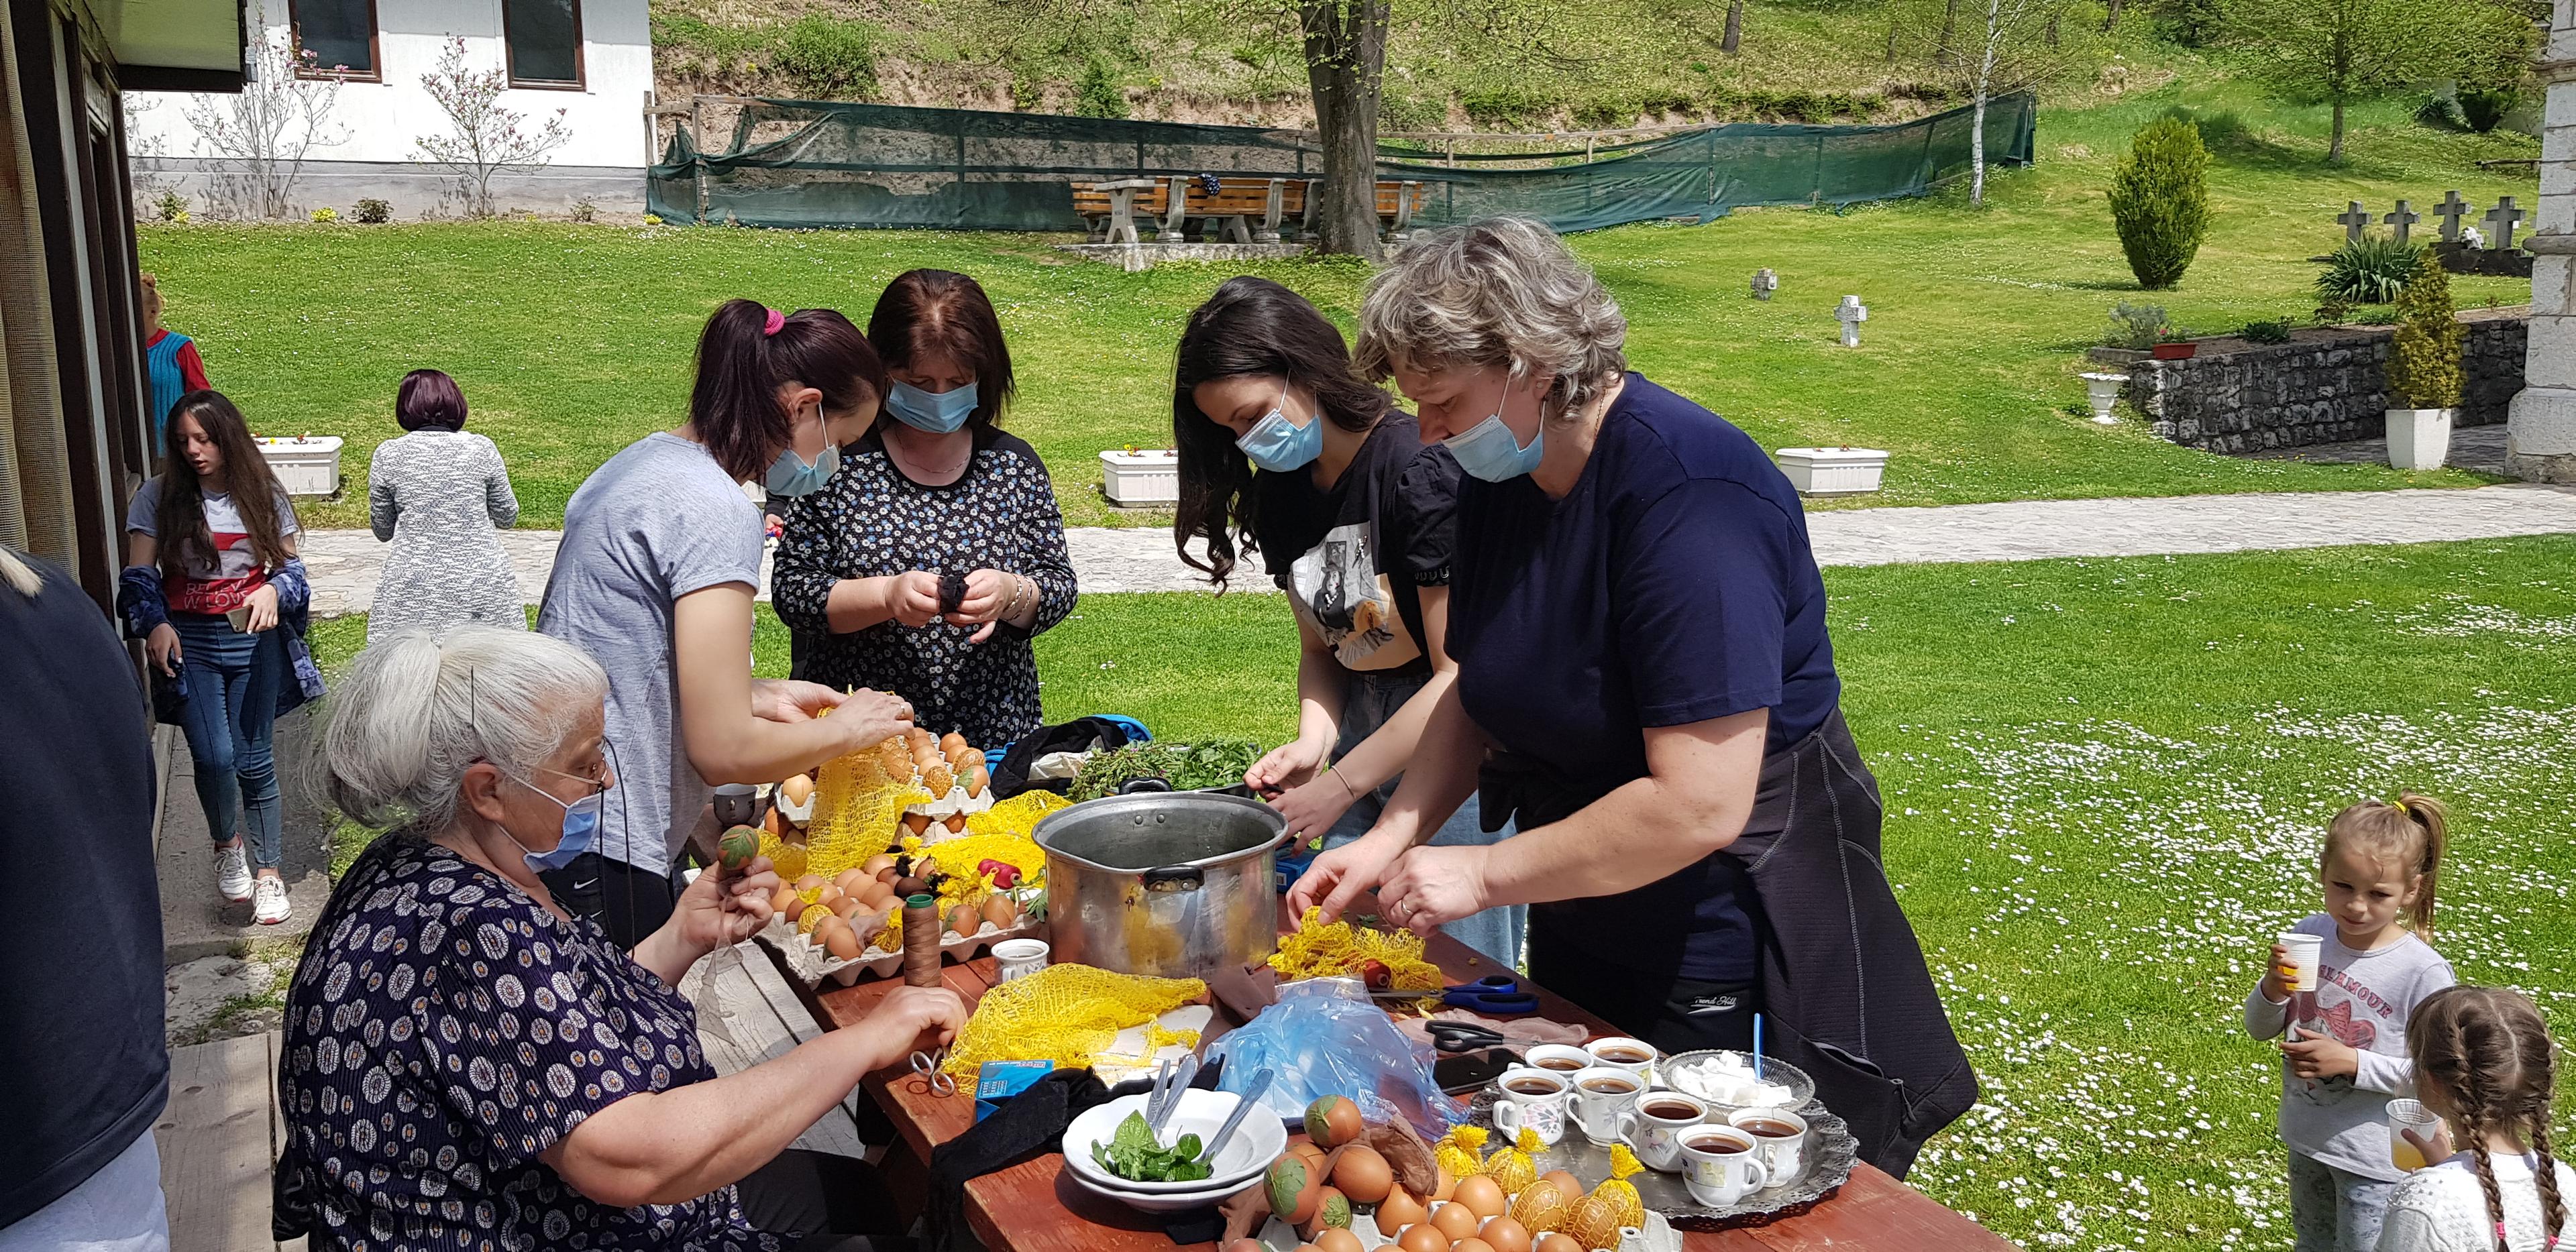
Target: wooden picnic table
{"points": [[1032, 1207]]}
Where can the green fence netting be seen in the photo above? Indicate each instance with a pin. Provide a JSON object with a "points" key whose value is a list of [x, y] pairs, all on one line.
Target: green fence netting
{"points": [[803, 163]]}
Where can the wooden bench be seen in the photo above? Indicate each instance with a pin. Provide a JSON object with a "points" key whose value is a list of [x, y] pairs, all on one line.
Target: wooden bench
{"points": [[1111, 209]]}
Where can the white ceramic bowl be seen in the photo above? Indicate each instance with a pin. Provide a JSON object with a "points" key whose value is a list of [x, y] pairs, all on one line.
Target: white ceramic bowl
{"points": [[1144, 1203], [1256, 1143]]}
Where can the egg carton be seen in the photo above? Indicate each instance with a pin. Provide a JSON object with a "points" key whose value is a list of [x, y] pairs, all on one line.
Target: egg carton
{"points": [[1657, 1235], [952, 804], [808, 961]]}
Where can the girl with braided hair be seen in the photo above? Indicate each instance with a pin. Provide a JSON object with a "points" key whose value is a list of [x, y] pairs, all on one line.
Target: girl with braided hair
{"points": [[2343, 1045], [2484, 1062]]}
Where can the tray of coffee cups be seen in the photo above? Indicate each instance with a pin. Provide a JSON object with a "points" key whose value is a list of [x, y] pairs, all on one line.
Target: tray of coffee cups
{"points": [[1710, 1163]]}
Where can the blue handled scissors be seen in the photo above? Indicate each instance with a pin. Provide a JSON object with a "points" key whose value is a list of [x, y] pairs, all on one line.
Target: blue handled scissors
{"points": [[1498, 994]]}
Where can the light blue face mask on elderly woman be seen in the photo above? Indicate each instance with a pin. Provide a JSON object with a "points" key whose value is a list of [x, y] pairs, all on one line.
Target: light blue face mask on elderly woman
{"points": [[1488, 451], [580, 825]]}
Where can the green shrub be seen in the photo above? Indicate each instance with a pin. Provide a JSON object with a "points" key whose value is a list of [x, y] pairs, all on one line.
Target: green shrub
{"points": [[829, 57], [326, 215], [1402, 109], [2191, 23], [2138, 326], [374, 212], [2369, 270], [2160, 201], [2441, 111], [2483, 110], [170, 206], [2424, 359], [2270, 331], [1509, 107], [1609, 112], [1098, 92]]}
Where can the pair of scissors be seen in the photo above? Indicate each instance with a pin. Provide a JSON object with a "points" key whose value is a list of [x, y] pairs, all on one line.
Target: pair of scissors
{"points": [[1456, 1037], [929, 1068], [1497, 994]]}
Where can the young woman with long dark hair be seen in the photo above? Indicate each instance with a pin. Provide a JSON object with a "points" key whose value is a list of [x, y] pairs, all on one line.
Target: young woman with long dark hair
{"points": [[210, 579], [935, 489], [655, 578], [1285, 451]]}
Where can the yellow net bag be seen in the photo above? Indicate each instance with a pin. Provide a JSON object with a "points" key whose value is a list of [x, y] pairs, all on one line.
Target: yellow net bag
{"points": [[1320, 951], [1016, 816], [858, 808], [1067, 1014]]}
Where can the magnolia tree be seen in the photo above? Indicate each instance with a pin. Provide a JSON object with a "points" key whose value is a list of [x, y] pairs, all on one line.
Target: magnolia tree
{"points": [[487, 139], [262, 133]]}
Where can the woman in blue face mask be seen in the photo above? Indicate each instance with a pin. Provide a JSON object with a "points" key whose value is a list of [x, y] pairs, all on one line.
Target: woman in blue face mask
{"points": [[930, 562], [655, 576], [1285, 451], [1646, 683], [458, 1031]]}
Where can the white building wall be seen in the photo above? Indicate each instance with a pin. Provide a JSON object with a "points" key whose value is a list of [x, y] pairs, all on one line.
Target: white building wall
{"points": [[2540, 442], [383, 120]]}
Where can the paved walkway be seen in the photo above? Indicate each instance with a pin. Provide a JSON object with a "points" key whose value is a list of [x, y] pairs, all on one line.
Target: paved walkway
{"points": [[344, 563]]}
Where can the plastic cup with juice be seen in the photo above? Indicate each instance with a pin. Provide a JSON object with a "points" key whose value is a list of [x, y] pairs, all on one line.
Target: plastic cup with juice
{"points": [[2405, 1115]]}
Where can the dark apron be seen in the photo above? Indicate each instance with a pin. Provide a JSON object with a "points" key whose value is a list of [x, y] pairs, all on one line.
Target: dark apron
{"points": [[1845, 993]]}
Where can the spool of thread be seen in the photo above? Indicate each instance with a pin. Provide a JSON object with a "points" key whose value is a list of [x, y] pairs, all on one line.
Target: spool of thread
{"points": [[921, 941]]}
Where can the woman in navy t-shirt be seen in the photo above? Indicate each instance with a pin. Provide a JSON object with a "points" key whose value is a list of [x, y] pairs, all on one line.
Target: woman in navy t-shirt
{"points": [[1639, 627]]}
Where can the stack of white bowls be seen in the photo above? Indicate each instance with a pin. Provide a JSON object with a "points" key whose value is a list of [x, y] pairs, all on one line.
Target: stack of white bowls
{"points": [[1246, 1157]]}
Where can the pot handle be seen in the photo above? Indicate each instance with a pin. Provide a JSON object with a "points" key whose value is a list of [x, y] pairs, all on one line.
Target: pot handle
{"points": [[1174, 878], [1141, 786]]}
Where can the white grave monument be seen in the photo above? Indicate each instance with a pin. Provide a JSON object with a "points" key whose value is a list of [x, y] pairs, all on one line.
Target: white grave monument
{"points": [[1851, 313], [2540, 442]]}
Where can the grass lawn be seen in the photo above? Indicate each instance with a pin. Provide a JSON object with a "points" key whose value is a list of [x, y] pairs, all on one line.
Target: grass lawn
{"points": [[572, 341], [2106, 782]]}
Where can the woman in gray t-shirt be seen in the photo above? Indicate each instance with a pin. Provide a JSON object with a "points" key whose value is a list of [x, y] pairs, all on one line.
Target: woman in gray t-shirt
{"points": [[660, 558]]}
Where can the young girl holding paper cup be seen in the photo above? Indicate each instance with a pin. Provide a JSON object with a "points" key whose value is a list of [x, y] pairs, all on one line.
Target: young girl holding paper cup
{"points": [[2484, 1065], [2342, 1016]]}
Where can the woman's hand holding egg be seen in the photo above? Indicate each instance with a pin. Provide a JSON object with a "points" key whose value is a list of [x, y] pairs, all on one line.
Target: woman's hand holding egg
{"points": [[717, 911], [1429, 886]]}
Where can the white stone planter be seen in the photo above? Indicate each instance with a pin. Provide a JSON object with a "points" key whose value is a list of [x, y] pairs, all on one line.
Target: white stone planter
{"points": [[2102, 390], [1832, 471], [307, 465], [1146, 478], [2419, 439]]}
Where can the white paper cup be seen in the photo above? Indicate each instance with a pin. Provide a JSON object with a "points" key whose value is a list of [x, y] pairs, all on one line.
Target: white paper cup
{"points": [[2303, 951], [1603, 1095]]}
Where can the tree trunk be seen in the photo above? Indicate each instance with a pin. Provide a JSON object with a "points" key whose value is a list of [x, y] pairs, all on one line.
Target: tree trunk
{"points": [[1893, 24], [2111, 13], [2052, 27], [1345, 68], [1944, 50], [1734, 27], [1977, 119], [2334, 145]]}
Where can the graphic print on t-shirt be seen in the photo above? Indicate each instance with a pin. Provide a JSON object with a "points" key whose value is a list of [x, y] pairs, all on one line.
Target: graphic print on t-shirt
{"points": [[236, 574], [1336, 589], [2348, 1012]]}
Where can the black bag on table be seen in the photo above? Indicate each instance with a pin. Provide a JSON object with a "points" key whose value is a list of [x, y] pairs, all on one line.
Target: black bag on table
{"points": [[1081, 734]]}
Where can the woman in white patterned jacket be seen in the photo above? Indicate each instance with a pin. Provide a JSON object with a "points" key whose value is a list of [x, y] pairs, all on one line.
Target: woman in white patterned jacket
{"points": [[440, 496]]}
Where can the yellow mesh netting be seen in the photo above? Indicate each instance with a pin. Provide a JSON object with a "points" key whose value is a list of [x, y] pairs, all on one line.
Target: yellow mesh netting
{"points": [[1321, 951], [1066, 1014], [858, 807], [1016, 816]]}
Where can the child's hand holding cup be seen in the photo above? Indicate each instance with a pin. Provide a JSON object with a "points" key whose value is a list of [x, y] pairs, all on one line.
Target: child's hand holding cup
{"points": [[2294, 965]]}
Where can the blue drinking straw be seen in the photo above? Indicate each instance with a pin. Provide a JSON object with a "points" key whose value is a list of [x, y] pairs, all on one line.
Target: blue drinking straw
{"points": [[1757, 1046]]}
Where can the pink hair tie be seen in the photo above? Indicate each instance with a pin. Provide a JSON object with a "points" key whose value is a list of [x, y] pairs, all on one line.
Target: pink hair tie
{"points": [[777, 322]]}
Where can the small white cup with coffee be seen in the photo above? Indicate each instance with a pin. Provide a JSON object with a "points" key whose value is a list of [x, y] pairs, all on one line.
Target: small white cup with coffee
{"points": [[1620, 1052], [1653, 1127], [1722, 1165], [1533, 1098], [1558, 1058], [1602, 1095], [1781, 1137]]}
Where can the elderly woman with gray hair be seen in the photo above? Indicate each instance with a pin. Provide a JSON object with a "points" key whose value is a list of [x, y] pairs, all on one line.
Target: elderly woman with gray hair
{"points": [[1645, 681], [468, 1064]]}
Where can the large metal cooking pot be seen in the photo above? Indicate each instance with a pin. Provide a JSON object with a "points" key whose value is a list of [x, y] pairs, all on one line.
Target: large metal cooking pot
{"points": [[1170, 884]]}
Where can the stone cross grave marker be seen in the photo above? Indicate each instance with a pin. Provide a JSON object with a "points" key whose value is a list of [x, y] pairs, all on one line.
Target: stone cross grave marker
{"points": [[2355, 220], [2503, 217], [1851, 313], [2451, 210], [2402, 219], [1764, 283]]}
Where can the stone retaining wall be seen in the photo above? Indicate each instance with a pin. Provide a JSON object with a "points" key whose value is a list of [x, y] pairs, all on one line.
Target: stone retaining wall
{"points": [[2326, 385]]}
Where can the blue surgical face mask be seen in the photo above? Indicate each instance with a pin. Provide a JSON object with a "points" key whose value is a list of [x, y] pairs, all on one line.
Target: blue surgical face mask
{"points": [[1488, 451], [1276, 444], [580, 827], [793, 475], [938, 412]]}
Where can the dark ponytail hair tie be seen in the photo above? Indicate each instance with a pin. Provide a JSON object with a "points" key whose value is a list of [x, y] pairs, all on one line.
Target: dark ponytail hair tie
{"points": [[776, 322]]}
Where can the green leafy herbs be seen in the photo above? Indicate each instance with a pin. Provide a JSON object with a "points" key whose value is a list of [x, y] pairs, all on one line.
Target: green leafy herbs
{"points": [[1132, 1154], [1186, 766]]}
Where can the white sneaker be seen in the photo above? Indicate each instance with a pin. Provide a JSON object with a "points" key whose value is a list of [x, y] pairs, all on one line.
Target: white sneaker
{"points": [[270, 906], [232, 873]]}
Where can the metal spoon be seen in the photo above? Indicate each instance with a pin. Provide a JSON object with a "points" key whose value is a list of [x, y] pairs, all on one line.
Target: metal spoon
{"points": [[1183, 1070], [1251, 1096]]}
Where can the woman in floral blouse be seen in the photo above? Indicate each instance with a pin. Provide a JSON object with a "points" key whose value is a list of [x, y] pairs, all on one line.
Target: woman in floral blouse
{"points": [[932, 559]]}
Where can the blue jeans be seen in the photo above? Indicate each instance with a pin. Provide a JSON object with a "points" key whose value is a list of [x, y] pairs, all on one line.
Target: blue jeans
{"points": [[230, 713], [1368, 700], [2333, 1210]]}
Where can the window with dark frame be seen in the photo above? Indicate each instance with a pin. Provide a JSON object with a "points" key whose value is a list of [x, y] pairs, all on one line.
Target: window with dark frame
{"points": [[544, 38], [339, 33]]}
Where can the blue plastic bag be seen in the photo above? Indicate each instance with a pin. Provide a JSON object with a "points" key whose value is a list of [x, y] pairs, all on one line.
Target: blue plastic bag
{"points": [[1327, 1037]]}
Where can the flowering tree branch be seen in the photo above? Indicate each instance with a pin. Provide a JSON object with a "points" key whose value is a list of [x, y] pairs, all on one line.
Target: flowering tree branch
{"points": [[486, 138], [282, 112]]}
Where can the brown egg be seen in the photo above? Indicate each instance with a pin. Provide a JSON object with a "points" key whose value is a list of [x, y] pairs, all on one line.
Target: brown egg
{"points": [[784, 902], [845, 906], [877, 865], [1337, 1239], [965, 920], [1362, 1174], [1506, 1235], [977, 778], [1455, 1220], [1314, 1156], [1399, 1209], [999, 910], [1481, 1195], [915, 823], [1554, 1242], [1471, 1244], [851, 879], [797, 789], [1565, 1182], [951, 741], [919, 739], [956, 823], [825, 929], [828, 893], [1421, 1237], [1448, 1188], [810, 882]]}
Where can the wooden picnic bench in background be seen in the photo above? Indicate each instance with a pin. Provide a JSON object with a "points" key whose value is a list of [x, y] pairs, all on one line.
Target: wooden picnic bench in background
{"points": [[1241, 210]]}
